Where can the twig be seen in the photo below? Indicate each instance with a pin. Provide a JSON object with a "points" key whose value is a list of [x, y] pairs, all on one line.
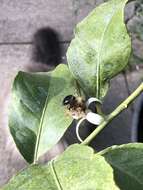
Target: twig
{"points": [[127, 87], [124, 105]]}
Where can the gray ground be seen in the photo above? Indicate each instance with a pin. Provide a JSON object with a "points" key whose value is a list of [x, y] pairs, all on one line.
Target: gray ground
{"points": [[19, 19]]}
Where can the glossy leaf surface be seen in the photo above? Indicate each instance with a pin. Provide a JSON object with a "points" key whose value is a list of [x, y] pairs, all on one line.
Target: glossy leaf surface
{"points": [[100, 49], [127, 163], [37, 117], [78, 168]]}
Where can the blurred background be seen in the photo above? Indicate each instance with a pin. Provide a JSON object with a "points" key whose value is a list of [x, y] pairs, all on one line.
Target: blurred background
{"points": [[19, 21]]}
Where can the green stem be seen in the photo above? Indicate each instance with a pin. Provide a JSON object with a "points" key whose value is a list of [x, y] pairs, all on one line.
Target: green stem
{"points": [[116, 112]]}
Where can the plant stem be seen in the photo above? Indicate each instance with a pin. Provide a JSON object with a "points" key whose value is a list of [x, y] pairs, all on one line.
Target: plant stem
{"points": [[116, 112]]}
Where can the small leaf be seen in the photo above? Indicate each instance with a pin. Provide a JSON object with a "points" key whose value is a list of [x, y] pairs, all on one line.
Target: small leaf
{"points": [[78, 168], [127, 163], [37, 117], [100, 49]]}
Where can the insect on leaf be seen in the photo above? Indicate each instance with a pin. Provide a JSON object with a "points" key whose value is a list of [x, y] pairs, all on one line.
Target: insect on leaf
{"points": [[37, 117]]}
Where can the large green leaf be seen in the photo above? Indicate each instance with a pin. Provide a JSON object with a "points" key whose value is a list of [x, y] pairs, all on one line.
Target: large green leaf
{"points": [[77, 169], [37, 117], [127, 163], [100, 49]]}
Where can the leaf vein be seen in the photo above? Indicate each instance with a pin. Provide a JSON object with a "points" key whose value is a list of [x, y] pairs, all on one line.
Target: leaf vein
{"points": [[99, 55], [125, 172], [55, 175], [40, 130]]}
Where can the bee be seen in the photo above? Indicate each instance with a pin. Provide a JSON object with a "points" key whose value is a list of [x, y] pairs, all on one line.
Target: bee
{"points": [[83, 110], [76, 106]]}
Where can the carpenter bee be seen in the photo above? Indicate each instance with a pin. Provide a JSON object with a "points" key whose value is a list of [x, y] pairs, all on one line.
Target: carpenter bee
{"points": [[76, 106]]}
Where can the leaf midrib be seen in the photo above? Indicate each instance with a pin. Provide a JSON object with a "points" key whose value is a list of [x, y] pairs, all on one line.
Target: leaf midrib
{"points": [[55, 176], [99, 56], [40, 130]]}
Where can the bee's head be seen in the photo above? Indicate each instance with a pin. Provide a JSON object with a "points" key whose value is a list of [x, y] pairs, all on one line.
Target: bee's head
{"points": [[68, 100]]}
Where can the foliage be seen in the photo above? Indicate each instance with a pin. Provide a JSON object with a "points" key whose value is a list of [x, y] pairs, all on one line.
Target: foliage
{"points": [[127, 163], [98, 52], [36, 112], [37, 119], [69, 171]]}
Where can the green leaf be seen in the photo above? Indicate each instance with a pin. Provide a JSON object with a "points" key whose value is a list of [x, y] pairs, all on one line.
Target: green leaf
{"points": [[100, 49], [127, 163], [37, 117], [78, 168]]}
